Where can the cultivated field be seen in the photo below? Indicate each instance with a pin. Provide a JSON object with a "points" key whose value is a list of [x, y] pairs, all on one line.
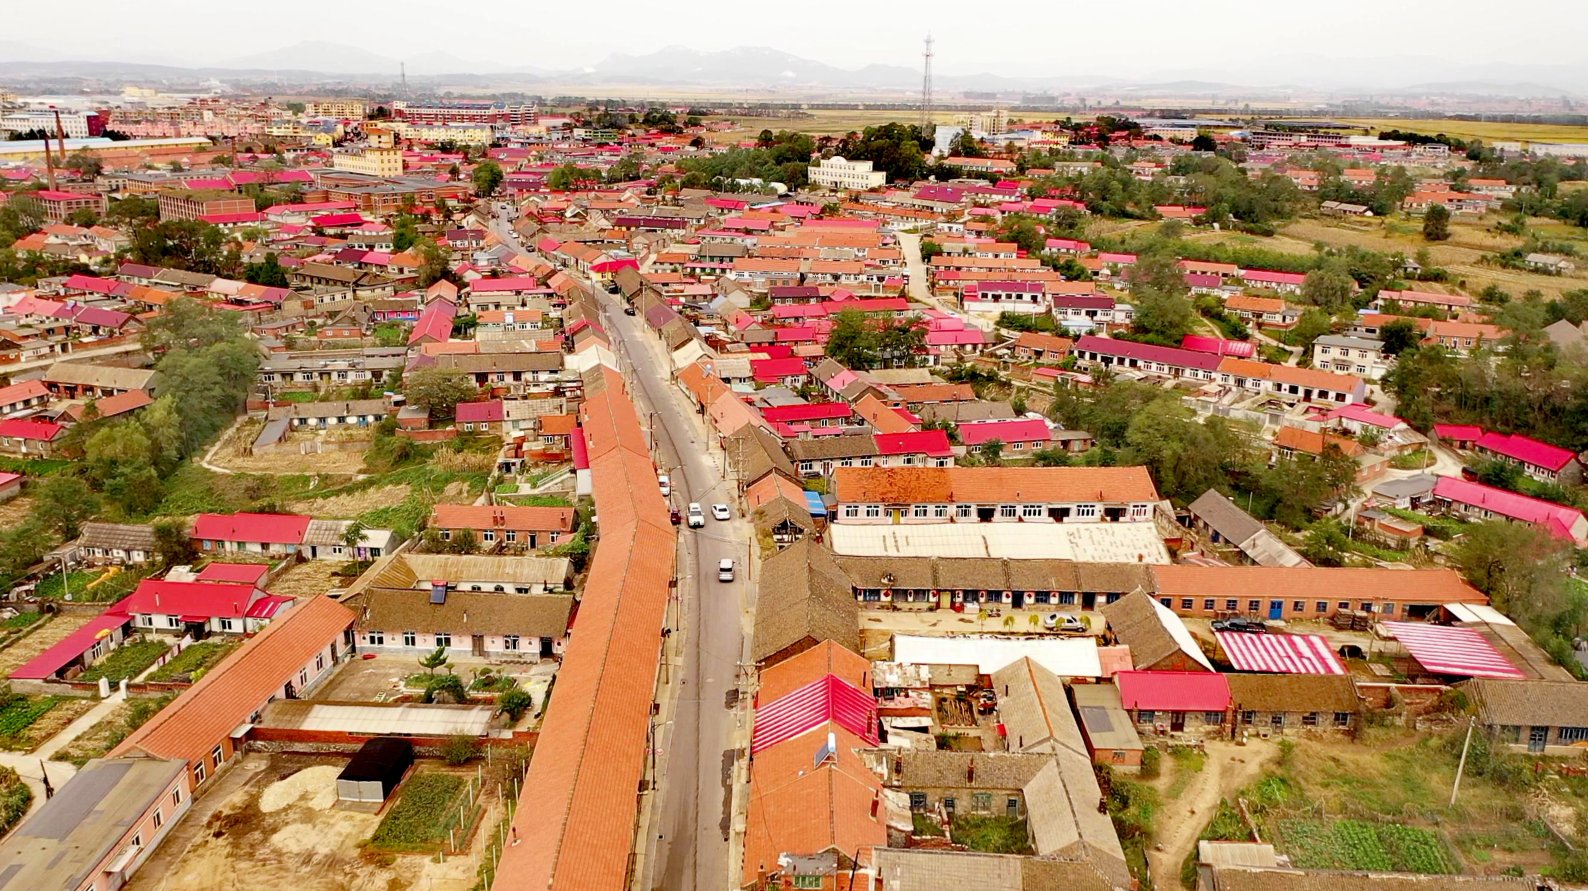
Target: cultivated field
{"points": [[282, 828], [1488, 131], [53, 632]]}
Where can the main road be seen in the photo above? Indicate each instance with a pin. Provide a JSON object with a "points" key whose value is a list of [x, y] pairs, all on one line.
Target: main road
{"points": [[702, 718]]}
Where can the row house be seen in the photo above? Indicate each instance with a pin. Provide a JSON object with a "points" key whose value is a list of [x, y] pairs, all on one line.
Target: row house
{"points": [[1479, 503], [329, 369], [1082, 313], [993, 495], [504, 527], [1018, 437], [1125, 355], [1266, 312], [1000, 297], [1282, 282], [1290, 383], [516, 373], [1539, 460], [201, 608]]}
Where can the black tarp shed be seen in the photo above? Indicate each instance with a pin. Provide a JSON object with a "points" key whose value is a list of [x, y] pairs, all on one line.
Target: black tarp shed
{"points": [[375, 769]]}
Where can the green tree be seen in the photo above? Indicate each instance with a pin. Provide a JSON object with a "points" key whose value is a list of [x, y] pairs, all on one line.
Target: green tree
{"points": [[1159, 292], [172, 544], [1326, 544], [487, 178], [267, 272], [1521, 567], [1313, 324], [1436, 223], [439, 390], [435, 263], [1204, 143], [134, 210], [434, 660], [63, 502], [1329, 288], [84, 164], [1399, 336], [992, 451]]}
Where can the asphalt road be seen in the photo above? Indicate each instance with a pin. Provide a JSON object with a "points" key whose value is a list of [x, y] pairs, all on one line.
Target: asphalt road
{"points": [[689, 847]]}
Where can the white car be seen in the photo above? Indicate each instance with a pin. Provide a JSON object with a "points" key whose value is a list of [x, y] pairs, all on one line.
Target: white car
{"points": [[719, 512], [694, 517], [1064, 623], [725, 570], [666, 484]]}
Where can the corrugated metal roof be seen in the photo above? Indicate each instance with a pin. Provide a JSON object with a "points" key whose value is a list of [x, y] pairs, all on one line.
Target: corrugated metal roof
{"points": [[1284, 653], [1453, 651]]}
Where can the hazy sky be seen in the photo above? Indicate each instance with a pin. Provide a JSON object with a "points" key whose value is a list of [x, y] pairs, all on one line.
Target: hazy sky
{"points": [[1014, 37]]}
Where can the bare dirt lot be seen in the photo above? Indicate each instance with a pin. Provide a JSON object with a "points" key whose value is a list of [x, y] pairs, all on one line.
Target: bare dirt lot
{"points": [[15, 510], [308, 579], [353, 503], [280, 827], [53, 632], [232, 453], [1191, 798]]}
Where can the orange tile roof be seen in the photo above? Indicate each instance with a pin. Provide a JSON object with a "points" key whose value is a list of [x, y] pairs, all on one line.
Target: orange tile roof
{"points": [[1355, 584], [558, 425], [581, 794], [1290, 374], [1254, 304], [826, 658], [937, 392], [980, 485], [203, 716], [800, 810], [1299, 440], [881, 417]]}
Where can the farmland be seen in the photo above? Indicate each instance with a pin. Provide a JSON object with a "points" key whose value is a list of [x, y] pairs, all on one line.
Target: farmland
{"points": [[1382, 803], [424, 812], [127, 661], [1488, 131], [191, 663]]}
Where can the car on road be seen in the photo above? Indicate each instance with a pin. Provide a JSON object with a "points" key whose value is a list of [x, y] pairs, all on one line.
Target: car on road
{"points": [[666, 484], [725, 570], [696, 518], [719, 512], [1248, 626], [630, 310], [672, 514], [1064, 623]]}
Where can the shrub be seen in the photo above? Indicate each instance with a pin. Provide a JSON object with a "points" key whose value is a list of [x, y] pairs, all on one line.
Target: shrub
{"points": [[1151, 762], [514, 703], [15, 797], [459, 749]]}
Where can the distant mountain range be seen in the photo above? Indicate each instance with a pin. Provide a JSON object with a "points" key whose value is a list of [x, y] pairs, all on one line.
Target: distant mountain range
{"points": [[765, 68]]}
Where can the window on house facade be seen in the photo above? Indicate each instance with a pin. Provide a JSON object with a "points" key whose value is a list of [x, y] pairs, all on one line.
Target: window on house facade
{"points": [[919, 511], [410, 639], [1031, 511], [1185, 602], [488, 535], [443, 639], [1230, 605], [1086, 511], [1254, 605], [1573, 734], [1207, 605], [1146, 716], [176, 797], [159, 818], [1008, 511], [873, 511], [1342, 719], [1213, 717], [375, 638], [1298, 606], [198, 774], [851, 511], [1310, 719], [1321, 606], [228, 625], [510, 642], [939, 511], [964, 511]]}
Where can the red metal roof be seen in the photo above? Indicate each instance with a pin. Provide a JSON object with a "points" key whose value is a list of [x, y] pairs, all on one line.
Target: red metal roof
{"points": [[1283, 653], [1173, 691], [27, 428], [773, 370], [793, 414], [826, 699], [1014, 430], [490, 410], [1527, 450], [208, 601], [1454, 651], [1558, 519], [1146, 352], [52, 660], [263, 528], [234, 573], [933, 443]]}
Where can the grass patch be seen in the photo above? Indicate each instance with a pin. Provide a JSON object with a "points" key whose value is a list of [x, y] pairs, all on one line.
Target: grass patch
{"points": [[111, 730], [537, 500], [922, 825], [993, 835], [126, 661], [15, 797], [55, 587], [192, 489], [1443, 528], [33, 467], [18, 713], [90, 586], [1412, 460], [1188, 763], [419, 821], [190, 664], [20, 620]]}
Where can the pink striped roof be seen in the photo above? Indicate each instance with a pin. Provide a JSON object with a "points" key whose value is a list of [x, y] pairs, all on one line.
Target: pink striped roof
{"points": [[1283, 653], [826, 699], [1453, 651]]}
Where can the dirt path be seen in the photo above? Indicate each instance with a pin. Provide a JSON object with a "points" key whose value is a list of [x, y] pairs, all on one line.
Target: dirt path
{"points": [[1229, 767]]}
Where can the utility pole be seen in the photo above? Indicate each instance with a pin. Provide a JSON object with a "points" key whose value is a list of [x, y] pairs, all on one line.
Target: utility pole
{"points": [[926, 87], [1462, 765]]}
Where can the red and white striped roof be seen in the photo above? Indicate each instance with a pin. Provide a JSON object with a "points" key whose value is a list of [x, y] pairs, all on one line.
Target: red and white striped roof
{"points": [[1282, 653], [1454, 651], [829, 698]]}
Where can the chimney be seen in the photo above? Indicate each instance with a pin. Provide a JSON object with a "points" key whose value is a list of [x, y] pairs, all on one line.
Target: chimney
{"points": [[970, 772], [898, 766]]}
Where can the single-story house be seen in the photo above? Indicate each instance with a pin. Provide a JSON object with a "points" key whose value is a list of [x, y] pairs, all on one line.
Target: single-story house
{"points": [[1289, 702], [1538, 717], [1174, 701]]}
